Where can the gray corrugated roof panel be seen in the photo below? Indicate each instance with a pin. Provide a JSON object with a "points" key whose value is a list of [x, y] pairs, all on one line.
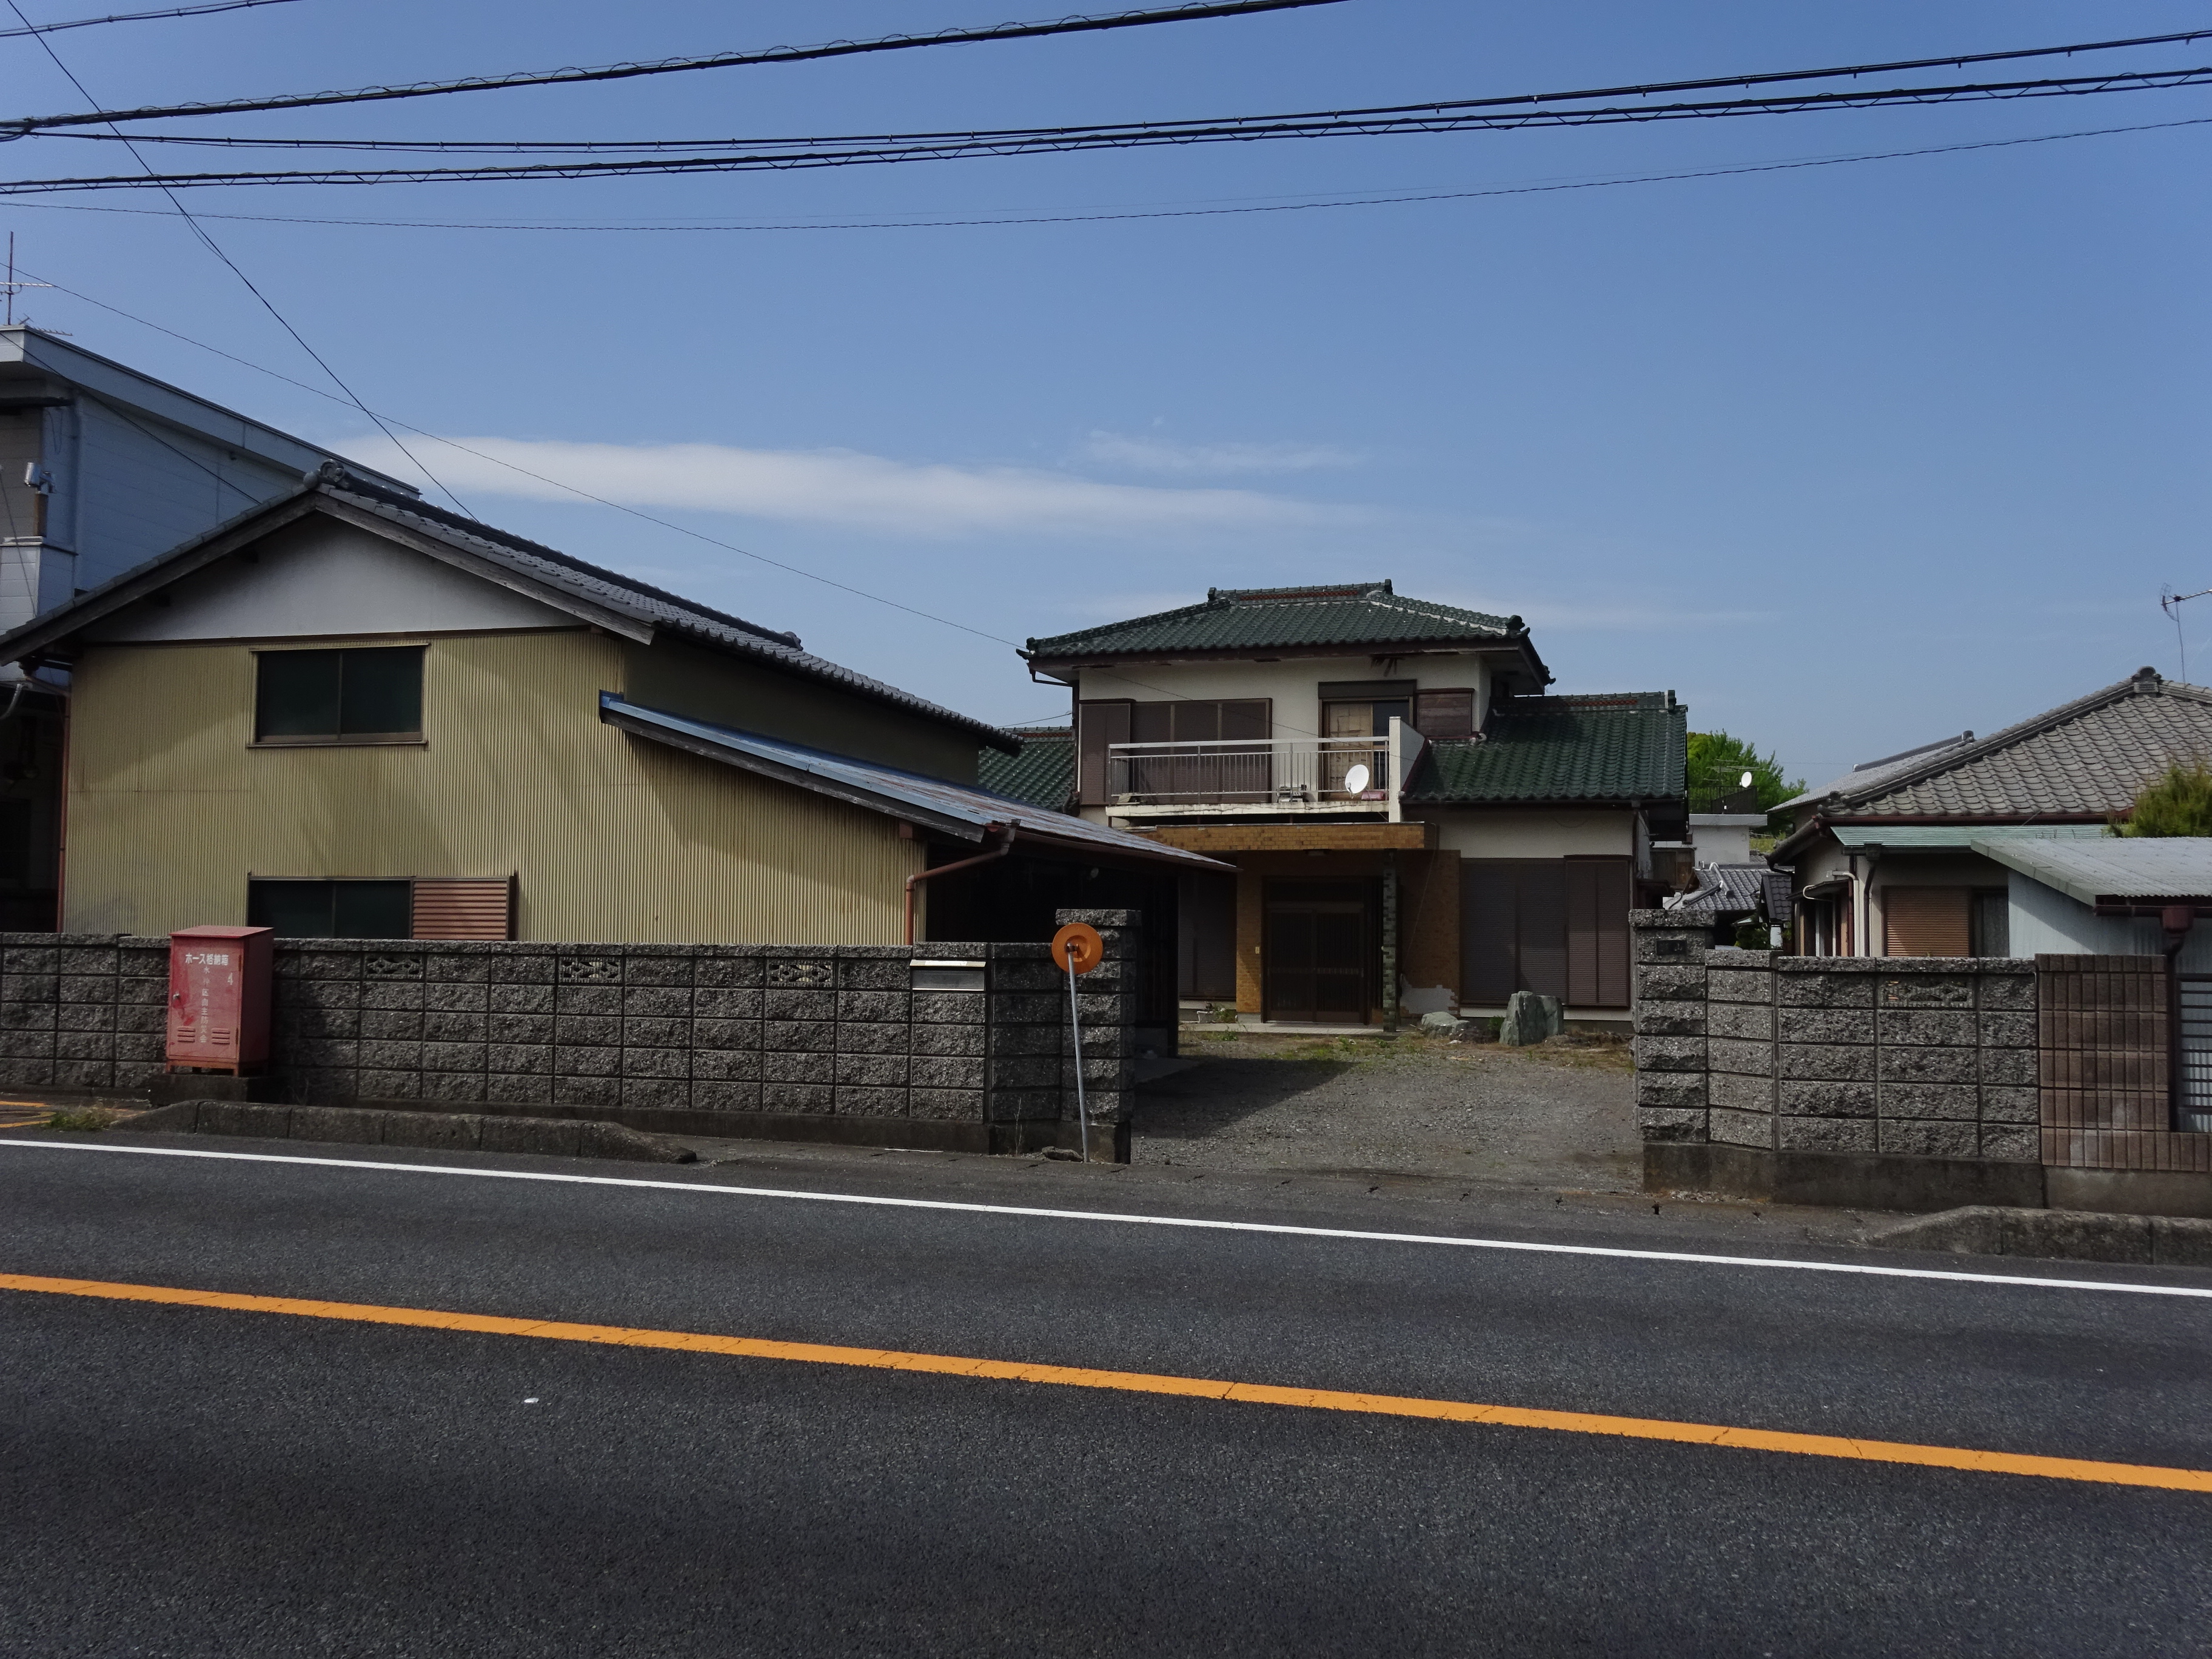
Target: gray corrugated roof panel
{"points": [[1348, 614], [2128, 868], [954, 809], [1959, 835]]}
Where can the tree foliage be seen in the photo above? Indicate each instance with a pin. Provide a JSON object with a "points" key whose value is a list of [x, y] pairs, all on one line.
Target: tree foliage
{"points": [[1718, 762], [2176, 803]]}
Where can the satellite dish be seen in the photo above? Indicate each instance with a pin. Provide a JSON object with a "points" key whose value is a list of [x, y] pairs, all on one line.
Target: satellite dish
{"points": [[1744, 782], [1355, 781]]}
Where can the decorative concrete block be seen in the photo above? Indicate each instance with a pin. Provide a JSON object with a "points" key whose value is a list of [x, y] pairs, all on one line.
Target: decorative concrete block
{"points": [[2007, 1031], [876, 1006], [81, 990], [870, 1071], [2010, 1104], [948, 1105], [737, 972], [1658, 984], [587, 1091], [663, 971], [26, 1073], [1834, 1061], [777, 1096], [405, 1084], [587, 1031], [457, 1088], [1744, 1059], [969, 1039], [1924, 1100], [960, 1008], [456, 996], [1915, 1137], [2009, 1065], [725, 1095], [2015, 992], [520, 1059], [536, 998], [1920, 1027], [799, 1035], [947, 1072], [388, 1057], [98, 1075], [1739, 1093], [1823, 989], [799, 1004], [655, 1094], [1673, 1018], [519, 1089], [786, 1065], [1669, 1054], [726, 1003], [1827, 1134], [856, 1038], [656, 1033], [1008, 973], [1825, 1099], [90, 959], [1686, 1090], [519, 1028], [1675, 948], [143, 991], [1670, 1123], [1025, 1072], [390, 1024], [524, 967], [725, 1033], [84, 1045], [862, 1101], [1927, 991], [585, 1062], [33, 988], [1740, 1128], [84, 1017], [725, 1064], [451, 966], [440, 1026], [886, 970], [587, 999], [656, 1062], [1739, 985], [391, 993], [451, 1056], [2014, 1143], [1929, 1065], [1010, 1105], [1845, 1025], [657, 1002], [1741, 1022], [27, 1045]]}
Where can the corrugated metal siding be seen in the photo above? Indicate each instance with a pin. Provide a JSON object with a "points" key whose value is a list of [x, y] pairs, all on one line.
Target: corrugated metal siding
{"points": [[613, 839], [142, 495]]}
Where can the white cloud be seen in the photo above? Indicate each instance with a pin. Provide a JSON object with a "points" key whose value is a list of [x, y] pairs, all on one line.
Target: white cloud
{"points": [[1165, 455], [844, 487]]}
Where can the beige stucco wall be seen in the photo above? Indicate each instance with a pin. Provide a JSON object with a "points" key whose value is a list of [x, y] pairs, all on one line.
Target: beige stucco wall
{"points": [[1531, 832], [170, 809]]}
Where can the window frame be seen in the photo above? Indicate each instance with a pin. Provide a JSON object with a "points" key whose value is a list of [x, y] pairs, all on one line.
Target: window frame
{"points": [[415, 739]]}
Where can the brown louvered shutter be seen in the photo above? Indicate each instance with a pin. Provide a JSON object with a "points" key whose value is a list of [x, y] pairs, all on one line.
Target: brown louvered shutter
{"points": [[1925, 922], [465, 907]]}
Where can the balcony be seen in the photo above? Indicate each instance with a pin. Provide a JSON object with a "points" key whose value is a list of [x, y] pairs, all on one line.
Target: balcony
{"points": [[1286, 777]]}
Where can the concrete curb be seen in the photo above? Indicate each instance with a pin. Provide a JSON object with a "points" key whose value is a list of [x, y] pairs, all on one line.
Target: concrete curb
{"points": [[2060, 1235], [465, 1132]]}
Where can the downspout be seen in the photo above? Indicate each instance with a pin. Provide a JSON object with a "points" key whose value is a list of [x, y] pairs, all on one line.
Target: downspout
{"points": [[999, 852]]}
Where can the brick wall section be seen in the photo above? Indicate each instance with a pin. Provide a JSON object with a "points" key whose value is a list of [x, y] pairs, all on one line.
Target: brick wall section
{"points": [[1919, 1057], [2105, 1031], [838, 1031]]}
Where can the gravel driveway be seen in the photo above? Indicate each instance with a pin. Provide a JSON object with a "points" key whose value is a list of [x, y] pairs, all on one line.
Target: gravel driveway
{"points": [[1548, 1116]]}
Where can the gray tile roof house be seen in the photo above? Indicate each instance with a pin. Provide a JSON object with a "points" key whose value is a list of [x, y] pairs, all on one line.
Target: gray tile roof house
{"points": [[1913, 820]]}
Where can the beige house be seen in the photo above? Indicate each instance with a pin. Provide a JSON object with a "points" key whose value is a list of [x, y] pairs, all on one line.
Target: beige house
{"points": [[1416, 824], [347, 713]]}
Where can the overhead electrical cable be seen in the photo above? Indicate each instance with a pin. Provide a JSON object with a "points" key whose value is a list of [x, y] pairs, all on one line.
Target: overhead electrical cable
{"points": [[1079, 24], [1408, 197], [799, 155], [215, 248], [137, 17]]}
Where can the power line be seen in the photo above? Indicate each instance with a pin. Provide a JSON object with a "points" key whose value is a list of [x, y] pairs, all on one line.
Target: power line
{"points": [[215, 248], [791, 154], [1211, 9], [1399, 199], [135, 17], [1408, 195]]}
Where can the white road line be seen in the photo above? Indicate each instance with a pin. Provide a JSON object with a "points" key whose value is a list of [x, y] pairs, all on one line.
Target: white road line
{"points": [[1126, 1220]]}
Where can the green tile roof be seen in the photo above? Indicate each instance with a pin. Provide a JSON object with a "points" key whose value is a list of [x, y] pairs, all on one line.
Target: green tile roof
{"points": [[1042, 774], [1351, 614], [1633, 746]]}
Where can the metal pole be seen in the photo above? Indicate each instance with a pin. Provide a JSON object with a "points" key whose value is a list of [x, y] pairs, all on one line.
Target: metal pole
{"points": [[1075, 1024]]}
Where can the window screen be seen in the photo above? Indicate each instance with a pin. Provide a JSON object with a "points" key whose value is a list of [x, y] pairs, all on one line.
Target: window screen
{"points": [[332, 909], [339, 696]]}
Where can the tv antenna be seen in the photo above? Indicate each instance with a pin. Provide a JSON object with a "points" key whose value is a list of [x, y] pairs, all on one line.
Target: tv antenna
{"points": [[11, 287], [2171, 603]]}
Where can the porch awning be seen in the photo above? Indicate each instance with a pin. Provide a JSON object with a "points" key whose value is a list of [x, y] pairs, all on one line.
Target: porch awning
{"points": [[962, 811]]}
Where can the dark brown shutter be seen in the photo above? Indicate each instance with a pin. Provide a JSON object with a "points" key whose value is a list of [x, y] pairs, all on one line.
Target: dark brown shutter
{"points": [[1925, 922], [1098, 724], [1543, 900], [465, 907], [1246, 719], [1489, 927], [1444, 714], [1597, 932]]}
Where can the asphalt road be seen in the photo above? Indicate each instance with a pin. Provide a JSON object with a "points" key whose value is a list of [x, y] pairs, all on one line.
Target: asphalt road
{"points": [[179, 1481]]}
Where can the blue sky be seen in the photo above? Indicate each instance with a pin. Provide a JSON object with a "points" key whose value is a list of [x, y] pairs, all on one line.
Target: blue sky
{"points": [[1851, 457]]}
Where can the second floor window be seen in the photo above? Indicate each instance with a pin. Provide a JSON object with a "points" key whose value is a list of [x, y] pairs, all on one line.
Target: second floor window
{"points": [[372, 694]]}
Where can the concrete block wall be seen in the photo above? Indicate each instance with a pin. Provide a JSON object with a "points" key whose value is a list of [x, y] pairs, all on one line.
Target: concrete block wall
{"points": [[673, 1036], [1916, 1057]]}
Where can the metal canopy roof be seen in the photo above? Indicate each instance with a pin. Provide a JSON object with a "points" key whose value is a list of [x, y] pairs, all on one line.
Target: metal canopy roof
{"points": [[2111, 867], [949, 808], [1959, 836]]}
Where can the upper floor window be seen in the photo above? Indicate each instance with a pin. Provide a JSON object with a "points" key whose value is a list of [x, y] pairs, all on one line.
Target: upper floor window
{"points": [[370, 694]]}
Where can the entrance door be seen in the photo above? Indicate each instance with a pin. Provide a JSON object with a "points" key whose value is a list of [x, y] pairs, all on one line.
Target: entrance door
{"points": [[1316, 953]]}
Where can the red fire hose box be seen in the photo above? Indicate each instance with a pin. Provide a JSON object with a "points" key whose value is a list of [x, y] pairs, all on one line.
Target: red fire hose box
{"points": [[219, 982]]}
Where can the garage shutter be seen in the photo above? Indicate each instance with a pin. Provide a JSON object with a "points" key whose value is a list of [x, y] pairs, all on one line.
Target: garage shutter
{"points": [[465, 907], [1925, 922]]}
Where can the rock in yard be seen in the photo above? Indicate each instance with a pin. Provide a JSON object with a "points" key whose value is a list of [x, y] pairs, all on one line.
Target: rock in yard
{"points": [[1444, 1025], [1530, 1019]]}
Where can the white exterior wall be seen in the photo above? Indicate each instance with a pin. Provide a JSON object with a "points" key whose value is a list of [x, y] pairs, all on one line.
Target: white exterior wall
{"points": [[2044, 920], [320, 578], [1291, 686]]}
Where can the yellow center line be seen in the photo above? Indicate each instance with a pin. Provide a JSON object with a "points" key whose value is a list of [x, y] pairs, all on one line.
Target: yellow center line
{"points": [[1384, 1405]]}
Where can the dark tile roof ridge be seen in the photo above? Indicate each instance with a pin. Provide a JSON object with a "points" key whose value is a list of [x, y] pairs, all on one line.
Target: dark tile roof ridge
{"points": [[1642, 703], [1305, 591], [2143, 682], [1378, 594]]}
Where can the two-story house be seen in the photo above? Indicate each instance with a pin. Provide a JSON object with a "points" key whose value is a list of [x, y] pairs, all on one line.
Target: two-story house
{"points": [[1415, 824], [347, 713]]}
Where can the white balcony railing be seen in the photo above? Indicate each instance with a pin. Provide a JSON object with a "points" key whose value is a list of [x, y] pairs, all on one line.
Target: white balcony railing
{"points": [[1234, 777]]}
